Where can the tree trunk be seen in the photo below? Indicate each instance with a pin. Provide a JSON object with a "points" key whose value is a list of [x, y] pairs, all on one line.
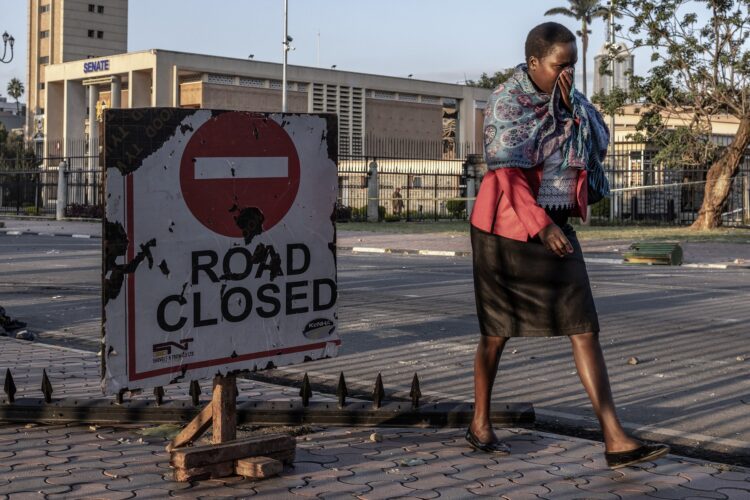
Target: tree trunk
{"points": [[585, 43], [719, 179]]}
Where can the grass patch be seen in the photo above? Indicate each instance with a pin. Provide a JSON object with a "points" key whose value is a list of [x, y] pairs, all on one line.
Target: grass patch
{"points": [[629, 233]]}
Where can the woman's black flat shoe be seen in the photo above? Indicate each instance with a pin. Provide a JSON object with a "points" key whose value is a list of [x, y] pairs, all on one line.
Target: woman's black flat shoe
{"points": [[496, 447], [644, 453]]}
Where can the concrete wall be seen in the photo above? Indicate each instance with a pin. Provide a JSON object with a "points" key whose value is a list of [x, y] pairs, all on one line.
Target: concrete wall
{"points": [[77, 21], [216, 96], [403, 119]]}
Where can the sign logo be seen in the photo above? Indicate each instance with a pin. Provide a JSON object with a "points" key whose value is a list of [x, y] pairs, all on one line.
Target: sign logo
{"points": [[318, 328], [163, 352], [92, 66], [240, 174]]}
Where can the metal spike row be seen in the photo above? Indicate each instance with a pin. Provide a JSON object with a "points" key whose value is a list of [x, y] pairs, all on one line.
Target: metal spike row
{"points": [[46, 387], [10, 386], [341, 391], [378, 394], [306, 391], [159, 395], [195, 392], [415, 392]]}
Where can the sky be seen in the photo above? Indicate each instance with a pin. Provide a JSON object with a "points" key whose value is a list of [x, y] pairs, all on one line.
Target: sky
{"points": [[438, 40]]}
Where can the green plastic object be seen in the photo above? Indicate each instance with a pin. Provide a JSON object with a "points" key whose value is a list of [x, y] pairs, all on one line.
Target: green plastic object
{"points": [[667, 253]]}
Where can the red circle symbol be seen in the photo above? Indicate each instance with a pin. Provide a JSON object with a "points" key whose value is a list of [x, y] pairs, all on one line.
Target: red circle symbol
{"points": [[239, 172]]}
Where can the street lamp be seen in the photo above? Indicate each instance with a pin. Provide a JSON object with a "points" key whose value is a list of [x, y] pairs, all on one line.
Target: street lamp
{"points": [[287, 47], [7, 38]]}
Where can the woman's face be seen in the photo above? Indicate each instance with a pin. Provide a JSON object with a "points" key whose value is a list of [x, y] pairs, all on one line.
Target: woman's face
{"points": [[545, 71]]}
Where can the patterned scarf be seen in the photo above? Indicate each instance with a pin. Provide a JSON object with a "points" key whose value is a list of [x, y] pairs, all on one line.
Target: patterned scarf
{"points": [[523, 127]]}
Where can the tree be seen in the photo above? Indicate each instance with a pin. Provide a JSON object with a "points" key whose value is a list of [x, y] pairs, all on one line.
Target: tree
{"points": [[16, 90], [584, 11], [490, 82], [700, 70]]}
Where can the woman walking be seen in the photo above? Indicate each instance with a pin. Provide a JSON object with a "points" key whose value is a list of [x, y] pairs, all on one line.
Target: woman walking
{"points": [[544, 144]]}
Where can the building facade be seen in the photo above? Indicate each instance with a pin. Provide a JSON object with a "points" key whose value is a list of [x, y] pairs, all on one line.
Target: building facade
{"points": [[68, 30], [366, 105], [623, 69]]}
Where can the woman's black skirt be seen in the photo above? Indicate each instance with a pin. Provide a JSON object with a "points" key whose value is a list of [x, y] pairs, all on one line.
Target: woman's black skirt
{"points": [[524, 290]]}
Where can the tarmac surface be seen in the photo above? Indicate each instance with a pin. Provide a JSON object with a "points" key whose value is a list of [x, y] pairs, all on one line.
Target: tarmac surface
{"points": [[78, 461]]}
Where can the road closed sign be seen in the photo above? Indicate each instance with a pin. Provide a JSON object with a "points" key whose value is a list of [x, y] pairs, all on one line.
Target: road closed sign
{"points": [[219, 243]]}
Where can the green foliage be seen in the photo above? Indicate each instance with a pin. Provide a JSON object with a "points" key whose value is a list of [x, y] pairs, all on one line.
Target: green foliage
{"points": [[14, 153], [455, 207], [16, 90], [490, 82]]}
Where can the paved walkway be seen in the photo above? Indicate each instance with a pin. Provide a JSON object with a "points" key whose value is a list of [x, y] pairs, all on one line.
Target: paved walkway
{"points": [[81, 461]]}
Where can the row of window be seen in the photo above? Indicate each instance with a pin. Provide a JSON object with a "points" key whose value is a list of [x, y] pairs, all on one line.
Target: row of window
{"points": [[99, 9], [98, 34]]}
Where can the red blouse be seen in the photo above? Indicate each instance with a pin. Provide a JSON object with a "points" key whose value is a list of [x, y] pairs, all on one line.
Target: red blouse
{"points": [[506, 204]]}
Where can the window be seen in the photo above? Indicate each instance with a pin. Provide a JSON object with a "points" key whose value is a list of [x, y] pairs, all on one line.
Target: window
{"points": [[92, 7], [41, 85], [99, 34], [44, 34], [44, 60], [91, 33], [43, 8], [100, 9]]}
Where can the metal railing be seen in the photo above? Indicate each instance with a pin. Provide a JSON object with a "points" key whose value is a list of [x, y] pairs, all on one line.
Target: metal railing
{"points": [[431, 182]]}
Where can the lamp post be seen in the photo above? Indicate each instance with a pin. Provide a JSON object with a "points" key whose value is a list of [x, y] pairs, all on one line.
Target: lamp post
{"points": [[7, 39], [287, 47]]}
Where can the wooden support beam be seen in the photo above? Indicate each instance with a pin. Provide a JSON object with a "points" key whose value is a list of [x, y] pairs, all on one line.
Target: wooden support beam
{"points": [[194, 429], [264, 446], [258, 467], [224, 403], [212, 471]]}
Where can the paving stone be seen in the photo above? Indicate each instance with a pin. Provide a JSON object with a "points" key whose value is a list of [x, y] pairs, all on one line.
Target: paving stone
{"points": [[478, 472], [672, 492], [80, 476], [564, 489], [708, 482], [735, 493], [135, 481], [425, 494], [538, 475], [152, 493], [506, 488], [384, 490], [326, 486], [596, 484], [734, 475], [631, 490], [372, 473]]}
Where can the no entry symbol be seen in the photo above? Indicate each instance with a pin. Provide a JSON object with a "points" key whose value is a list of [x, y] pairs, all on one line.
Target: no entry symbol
{"points": [[239, 174]]}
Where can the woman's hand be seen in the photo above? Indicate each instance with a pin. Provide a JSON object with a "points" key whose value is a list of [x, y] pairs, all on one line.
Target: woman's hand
{"points": [[565, 82], [555, 240]]}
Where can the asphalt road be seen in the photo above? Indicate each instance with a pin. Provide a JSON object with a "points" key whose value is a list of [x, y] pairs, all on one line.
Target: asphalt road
{"points": [[401, 314]]}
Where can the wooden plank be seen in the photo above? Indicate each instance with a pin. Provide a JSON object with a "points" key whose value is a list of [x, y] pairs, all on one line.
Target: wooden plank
{"points": [[224, 409], [213, 471], [262, 446], [258, 467], [194, 429]]}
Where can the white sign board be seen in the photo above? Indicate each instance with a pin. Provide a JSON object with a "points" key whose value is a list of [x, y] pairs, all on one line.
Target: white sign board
{"points": [[219, 244]]}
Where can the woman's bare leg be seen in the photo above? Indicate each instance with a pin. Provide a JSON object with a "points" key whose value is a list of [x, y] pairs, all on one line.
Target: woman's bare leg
{"points": [[486, 361], [592, 370]]}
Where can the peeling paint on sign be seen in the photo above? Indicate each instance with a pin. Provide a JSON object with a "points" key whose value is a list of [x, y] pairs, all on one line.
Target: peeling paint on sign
{"points": [[220, 243]]}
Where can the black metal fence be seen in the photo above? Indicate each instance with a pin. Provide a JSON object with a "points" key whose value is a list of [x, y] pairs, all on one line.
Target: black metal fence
{"points": [[401, 179], [647, 191], [29, 183]]}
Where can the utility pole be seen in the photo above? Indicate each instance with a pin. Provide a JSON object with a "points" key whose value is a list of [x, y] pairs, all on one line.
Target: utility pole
{"points": [[285, 44], [613, 209]]}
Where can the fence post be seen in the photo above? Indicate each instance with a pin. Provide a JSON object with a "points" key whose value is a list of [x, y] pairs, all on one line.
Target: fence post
{"points": [[62, 190], [746, 199], [475, 169], [373, 190]]}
